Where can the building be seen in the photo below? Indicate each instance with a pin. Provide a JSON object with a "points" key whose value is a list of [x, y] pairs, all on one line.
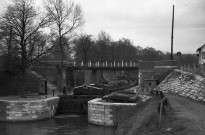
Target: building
{"points": [[201, 54], [151, 73]]}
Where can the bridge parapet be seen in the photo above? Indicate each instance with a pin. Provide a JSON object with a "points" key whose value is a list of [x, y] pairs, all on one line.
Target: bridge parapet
{"points": [[104, 64]]}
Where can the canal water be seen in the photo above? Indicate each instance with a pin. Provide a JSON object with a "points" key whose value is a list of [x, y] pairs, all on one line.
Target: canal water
{"points": [[61, 125]]}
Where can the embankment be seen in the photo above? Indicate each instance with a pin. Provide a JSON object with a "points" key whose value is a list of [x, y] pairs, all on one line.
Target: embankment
{"points": [[130, 122]]}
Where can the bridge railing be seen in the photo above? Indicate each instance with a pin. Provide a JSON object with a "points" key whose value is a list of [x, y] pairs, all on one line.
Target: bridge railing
{"points": [[105, 64]]}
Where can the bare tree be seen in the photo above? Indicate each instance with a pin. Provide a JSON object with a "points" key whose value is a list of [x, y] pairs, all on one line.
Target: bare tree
{"points": [[103, 43], [66, 18], [28, 42], [83, 48]]}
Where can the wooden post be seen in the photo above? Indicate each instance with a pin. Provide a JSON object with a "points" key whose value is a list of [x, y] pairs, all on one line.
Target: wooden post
{"points": [[160, 114]]}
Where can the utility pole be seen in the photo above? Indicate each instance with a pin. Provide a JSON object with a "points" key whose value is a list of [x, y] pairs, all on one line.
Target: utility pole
{"points": [[172, 34]]}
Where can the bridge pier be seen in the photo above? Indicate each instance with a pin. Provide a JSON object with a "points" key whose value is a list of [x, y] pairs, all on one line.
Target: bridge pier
{"points": [[91, 76], [70, 78]]}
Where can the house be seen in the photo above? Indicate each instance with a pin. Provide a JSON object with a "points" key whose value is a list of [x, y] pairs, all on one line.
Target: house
{"points": [[201, 54]]}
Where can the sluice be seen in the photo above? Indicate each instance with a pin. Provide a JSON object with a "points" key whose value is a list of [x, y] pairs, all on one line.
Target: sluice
{"points": [[74, 103]]}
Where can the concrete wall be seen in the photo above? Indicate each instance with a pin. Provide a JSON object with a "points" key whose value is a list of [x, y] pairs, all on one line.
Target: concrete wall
{"points": [[50, 74], [104, 113], [28, 109], [185, 84]]}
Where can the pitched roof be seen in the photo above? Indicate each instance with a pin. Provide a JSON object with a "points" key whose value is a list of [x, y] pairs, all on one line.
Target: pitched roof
{"points": [[199, 49]]}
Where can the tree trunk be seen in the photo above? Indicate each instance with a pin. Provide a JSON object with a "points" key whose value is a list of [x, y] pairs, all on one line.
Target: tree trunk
{"points": [[60, 76], [60, 67], [23, 84]]}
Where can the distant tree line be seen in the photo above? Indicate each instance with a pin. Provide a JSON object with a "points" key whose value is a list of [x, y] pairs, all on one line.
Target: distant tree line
{"points": [[86, 48]]}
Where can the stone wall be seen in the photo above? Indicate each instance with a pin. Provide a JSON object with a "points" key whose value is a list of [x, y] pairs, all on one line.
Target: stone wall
{"points": [[28, 109], [184, 84], [104, 113]]}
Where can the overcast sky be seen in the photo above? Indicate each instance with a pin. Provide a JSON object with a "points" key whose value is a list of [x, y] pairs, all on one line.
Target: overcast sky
{"points": [[146, 22]]}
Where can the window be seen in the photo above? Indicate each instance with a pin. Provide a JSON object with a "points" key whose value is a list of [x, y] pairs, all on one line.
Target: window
{"points": [[203, 55]]}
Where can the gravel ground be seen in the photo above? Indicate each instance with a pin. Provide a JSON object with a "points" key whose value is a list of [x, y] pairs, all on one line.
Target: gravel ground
{"points": [[189, 109]]}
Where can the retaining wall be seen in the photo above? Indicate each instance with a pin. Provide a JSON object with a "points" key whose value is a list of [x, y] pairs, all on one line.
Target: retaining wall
{"points": [[28, 109], [185, 84], [104, 113]]}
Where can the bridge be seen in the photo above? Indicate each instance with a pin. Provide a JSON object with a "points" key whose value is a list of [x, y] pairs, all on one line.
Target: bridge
{"points": [[93, 70]]}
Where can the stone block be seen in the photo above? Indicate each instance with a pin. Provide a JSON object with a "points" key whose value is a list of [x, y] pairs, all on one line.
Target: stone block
{"points": [[34, 117], [18, 115]]}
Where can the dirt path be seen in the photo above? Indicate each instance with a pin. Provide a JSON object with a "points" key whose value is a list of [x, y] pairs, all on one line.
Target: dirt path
{"points": [[191, 110]]}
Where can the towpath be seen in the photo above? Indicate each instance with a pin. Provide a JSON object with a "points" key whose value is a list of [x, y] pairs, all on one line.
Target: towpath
{"points": [[189, 109]]}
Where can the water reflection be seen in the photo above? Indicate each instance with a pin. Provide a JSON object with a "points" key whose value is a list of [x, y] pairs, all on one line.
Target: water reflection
{"points": [[69, 125]]}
